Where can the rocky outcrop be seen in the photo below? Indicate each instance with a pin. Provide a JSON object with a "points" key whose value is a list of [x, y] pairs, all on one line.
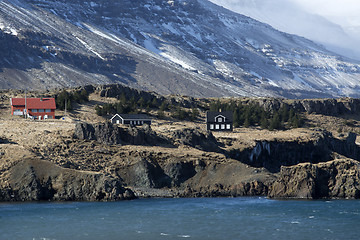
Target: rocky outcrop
{"points": [[195, 178], [103, 133], [202, 140], [144, 174], [329, 107], [252, 188], [231, 179], [179, 172], [35, 180], [274, 154], [107, 133], [335, 179], [117, 90]]}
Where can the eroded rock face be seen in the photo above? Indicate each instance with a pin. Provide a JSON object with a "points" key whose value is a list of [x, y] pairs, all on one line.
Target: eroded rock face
{"points": [[274, 154], [116, 90], [203, 140], [107, 133], [34, 180], [103, 133], [145, 174], [179, 172], [334, 179], [330, 107]]}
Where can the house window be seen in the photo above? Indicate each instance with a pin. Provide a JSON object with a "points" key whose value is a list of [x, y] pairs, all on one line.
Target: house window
{"points": [[228, 126], [34, 110], [142, 122], [222, 126], [217, 126], [117, 121], [211, 126], [41, 110], [219, 119], [48, 110]]}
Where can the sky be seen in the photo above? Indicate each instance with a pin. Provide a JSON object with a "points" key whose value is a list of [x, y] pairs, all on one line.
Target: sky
{"points": [[333, 23], [343, 12]]}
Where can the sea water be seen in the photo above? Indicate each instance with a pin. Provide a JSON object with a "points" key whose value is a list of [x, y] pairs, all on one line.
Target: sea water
{"points": [[202, 218]]}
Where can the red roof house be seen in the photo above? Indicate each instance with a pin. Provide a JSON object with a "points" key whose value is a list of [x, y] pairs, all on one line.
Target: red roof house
{"points": [[37, 108]]}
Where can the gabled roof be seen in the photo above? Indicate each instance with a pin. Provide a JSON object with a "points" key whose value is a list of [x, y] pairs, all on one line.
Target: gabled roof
{"points": [[210, 116], [133, 117], [34, 103]]}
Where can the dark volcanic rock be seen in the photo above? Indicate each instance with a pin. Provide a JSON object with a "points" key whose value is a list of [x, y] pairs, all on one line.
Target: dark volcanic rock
{"points": [[179, 172], [203, 140], [34, 180], [117, 90], [227, 180], [145, 174], [110, 134], [274, 154], [335, 179], [103, 133], [329, 107]]}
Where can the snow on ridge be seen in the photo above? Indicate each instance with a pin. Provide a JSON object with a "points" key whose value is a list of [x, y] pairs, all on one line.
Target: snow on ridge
{"points": [[178, 61], [171, 28], [256, 74], [149, 45], [193, 33], [93, 4], [90, 48]]}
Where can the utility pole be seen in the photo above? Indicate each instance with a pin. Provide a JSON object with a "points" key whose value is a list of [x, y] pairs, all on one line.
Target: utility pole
{"points": [[25, 106], [65, 107]]}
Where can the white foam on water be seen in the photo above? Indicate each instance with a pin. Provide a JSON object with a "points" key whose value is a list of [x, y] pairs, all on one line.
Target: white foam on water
{"points": [[184, 236]]}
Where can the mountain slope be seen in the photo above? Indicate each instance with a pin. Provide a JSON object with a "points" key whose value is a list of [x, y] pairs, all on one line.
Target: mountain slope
{"points": [[297, 17], [184, 47]]}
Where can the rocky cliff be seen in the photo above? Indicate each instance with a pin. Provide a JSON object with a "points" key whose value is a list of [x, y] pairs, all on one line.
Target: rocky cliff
{"points": [[207, 177], [88, 161], [217, 170], [334, 179], [319, 148], [108, 133], [36, 180], [329, 107]]}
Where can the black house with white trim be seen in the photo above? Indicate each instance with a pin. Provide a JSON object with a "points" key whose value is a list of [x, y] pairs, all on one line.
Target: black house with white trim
{"points": [[219, 121], [131, 119]]}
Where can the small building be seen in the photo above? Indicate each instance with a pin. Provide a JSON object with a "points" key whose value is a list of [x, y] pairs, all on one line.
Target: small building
{"points": [[131, 119], [35, 108], [219, 121]]}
